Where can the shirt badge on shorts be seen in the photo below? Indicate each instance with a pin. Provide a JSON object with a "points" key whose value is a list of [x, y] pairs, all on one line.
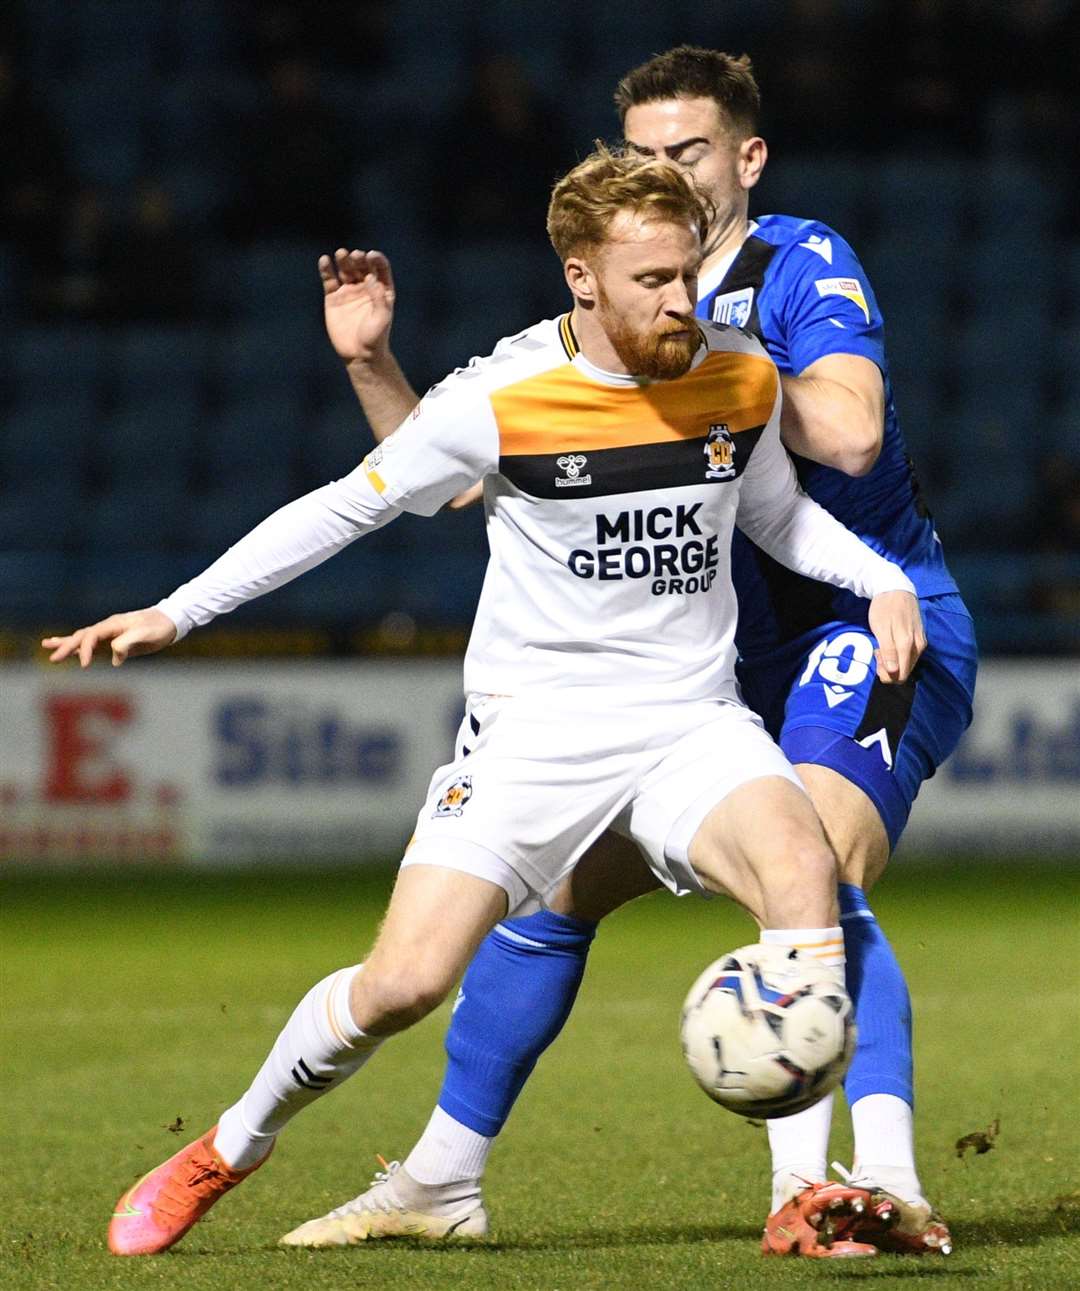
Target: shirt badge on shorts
{"points": [[454, 799], [719, 453]]}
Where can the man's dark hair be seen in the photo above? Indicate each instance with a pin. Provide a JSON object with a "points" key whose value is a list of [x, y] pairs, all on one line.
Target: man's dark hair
{"points": [[689, 72]]}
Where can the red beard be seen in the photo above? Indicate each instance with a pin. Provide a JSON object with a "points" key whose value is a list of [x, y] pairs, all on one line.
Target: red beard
{"points": [[659, 356]]}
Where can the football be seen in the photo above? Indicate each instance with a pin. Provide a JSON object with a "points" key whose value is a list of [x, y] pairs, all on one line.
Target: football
{"points": [[767, 1033]]}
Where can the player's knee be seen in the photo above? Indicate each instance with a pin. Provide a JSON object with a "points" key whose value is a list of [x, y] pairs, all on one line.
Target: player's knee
{"points": [[394, 997]]}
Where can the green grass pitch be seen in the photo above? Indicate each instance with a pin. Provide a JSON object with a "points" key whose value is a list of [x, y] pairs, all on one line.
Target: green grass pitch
{"points": [[132, 1000]]}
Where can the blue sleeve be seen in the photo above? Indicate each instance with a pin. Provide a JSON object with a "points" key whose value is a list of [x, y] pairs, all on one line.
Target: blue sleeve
{"points": [[828, 305]]}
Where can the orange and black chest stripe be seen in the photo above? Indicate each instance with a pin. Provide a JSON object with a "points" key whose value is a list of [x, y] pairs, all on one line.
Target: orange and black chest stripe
{"points": [[564, 435]]}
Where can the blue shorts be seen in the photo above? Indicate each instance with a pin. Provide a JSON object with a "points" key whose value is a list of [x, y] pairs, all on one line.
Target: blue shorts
{"points": [[820, 699]]}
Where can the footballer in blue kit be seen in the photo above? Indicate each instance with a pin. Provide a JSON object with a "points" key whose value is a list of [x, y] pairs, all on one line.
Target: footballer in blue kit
{"points": [[806, 653], [861, 744]]}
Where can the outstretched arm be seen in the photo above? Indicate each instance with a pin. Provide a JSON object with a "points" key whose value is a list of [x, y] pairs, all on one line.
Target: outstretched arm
{"points": [[418, 469], [358, 305]]}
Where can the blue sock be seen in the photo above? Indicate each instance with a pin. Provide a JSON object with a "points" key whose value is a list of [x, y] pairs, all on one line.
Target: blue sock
{"points": [[882, 1062], [515, 997]]}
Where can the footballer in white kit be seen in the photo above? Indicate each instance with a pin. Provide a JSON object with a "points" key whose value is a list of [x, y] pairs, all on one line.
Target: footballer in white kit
{"points": [[601, 667], [600, 672]]}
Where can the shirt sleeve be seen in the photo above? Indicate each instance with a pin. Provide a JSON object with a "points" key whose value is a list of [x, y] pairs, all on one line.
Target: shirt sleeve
{"points": [[829, 307], [777, 515], [448, 442]]}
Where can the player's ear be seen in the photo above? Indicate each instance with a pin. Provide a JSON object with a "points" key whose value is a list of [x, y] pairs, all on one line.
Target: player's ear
{"points": [[753, 154], [580, 280]]}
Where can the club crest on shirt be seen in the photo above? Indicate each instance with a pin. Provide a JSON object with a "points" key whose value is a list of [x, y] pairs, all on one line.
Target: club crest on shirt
{"points": [[453, 801], [733, 307], [571, 465], [719, 453]]}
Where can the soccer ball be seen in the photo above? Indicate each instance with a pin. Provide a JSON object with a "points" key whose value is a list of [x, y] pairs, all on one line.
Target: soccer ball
{"points": [[766, 1032]]}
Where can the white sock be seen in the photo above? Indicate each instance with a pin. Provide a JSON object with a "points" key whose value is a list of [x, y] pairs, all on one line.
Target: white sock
{"points": [[826, 945], [884, 1127], [800, 1143], [319, 1047], [800, 1146], [448, 1152]]}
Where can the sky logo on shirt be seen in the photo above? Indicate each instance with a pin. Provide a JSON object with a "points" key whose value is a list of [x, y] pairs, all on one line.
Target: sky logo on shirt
{"points": [[850, 288]]}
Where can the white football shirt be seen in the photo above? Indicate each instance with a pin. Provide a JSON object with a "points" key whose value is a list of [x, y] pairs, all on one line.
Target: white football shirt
{"points": [[610, 509]]}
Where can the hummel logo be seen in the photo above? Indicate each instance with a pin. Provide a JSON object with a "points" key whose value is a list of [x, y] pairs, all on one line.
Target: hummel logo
{"points": [[571, 464]]}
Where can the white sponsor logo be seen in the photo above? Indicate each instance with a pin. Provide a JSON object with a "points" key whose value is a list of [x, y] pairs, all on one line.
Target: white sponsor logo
{"points": [[836, 695], [571, 465], [850, 288], [882, 741], [733, 307], [822, 246]]}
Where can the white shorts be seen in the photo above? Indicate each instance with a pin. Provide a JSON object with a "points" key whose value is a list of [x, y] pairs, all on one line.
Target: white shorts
{"points": [[535, 782]]}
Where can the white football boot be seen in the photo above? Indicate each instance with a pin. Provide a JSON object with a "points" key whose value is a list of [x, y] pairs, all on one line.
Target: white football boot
{"points": [[396, 1206], [899, 1219]]}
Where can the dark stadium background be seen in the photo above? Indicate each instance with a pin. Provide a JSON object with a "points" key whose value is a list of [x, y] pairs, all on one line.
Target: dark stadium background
{"points": [[169, 173]]}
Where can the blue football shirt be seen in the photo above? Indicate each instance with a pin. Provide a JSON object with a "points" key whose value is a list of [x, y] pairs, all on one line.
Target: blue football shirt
{"points": [[799, 287]]}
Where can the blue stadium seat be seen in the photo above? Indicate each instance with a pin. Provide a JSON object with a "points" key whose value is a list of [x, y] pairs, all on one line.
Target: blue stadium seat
{"points": [[334, 442], [619, 36], [358, 586], [919, 409], [1012, 271], [51, 362], [252, 437], [123, 35], [40, 442], [830, 189], [34, 584], [183, 118], [152, 359], [1014, 200], [216, 517], [151, 441], [270, 359], [992, 352], [923, 193], [11, 277], [44, 516], [547, 38], [105, 127], [993, 473], [200, 33], [429, 48], [106, 582], [269, 278], [132, 517]]}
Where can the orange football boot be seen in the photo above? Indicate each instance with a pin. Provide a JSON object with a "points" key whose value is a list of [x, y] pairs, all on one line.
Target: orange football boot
{"points": [[817, 1223], [158, 1210]]}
